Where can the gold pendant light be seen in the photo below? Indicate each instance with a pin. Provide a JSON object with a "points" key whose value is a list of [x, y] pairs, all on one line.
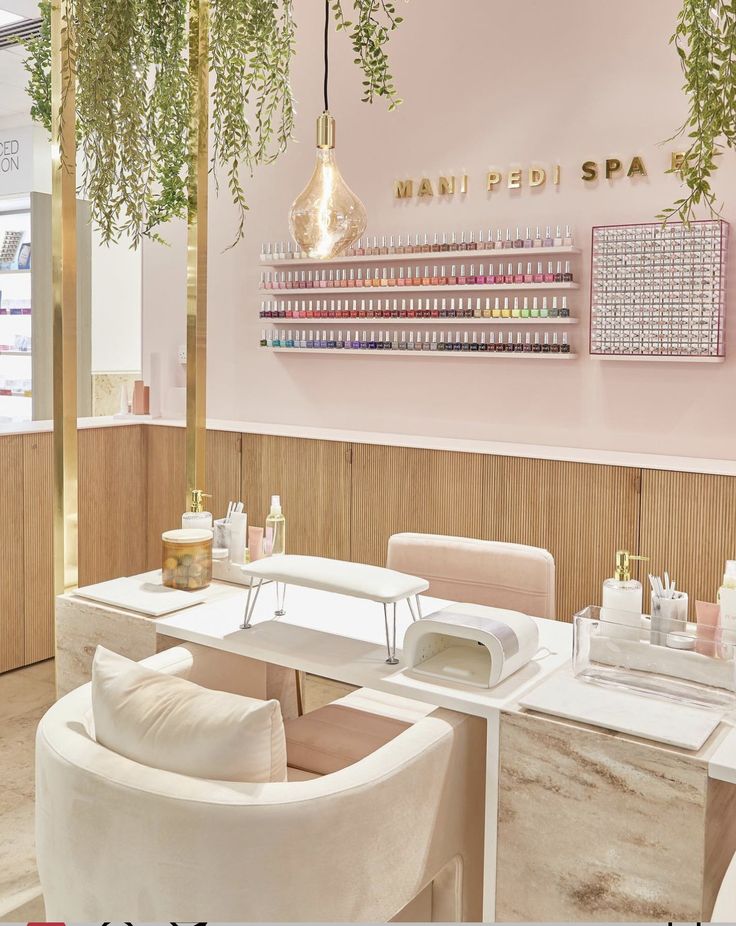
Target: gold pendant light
{"points": [[326, 217]]}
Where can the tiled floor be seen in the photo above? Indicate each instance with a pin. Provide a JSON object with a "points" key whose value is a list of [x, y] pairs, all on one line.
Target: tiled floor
{"points": [[24, 697]]}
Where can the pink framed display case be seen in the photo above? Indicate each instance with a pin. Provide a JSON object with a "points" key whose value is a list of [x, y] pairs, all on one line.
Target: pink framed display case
{"points": [[658, 292]]}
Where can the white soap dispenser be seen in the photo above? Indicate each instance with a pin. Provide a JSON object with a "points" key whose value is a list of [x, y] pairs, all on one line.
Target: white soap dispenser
{"points": [[622, 599], [197, 518]]}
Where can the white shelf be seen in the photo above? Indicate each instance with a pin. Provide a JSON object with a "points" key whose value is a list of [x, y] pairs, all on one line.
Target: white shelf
{"points": [[661, 358], [379, 322], [16, 353], [437, 257], [461, 354], [396, 291], [2, 272]]}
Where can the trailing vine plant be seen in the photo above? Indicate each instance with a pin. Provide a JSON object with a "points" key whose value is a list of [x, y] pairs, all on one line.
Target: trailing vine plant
{"points": [[132, 96], [705, 40]]}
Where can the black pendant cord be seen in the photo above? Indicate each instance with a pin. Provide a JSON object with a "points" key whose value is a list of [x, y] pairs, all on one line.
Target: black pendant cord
{"points": [[327, 27]]}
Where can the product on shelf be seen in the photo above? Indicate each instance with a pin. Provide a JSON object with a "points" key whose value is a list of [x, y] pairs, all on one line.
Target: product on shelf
{"points": [[444, 341], [658, 291], [9, 246], [444, 242]]}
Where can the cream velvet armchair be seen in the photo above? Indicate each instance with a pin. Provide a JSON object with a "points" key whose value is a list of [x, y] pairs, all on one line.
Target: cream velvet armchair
{"points": [[121, 841]]}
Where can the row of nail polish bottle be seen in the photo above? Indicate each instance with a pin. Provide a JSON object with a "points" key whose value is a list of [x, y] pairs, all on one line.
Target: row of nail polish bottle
{"points": [[447, 242], [434, 276], [303, 339], [419, 308]]}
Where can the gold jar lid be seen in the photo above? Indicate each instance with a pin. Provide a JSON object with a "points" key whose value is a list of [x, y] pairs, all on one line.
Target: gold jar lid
{"points": [[186, 535]]}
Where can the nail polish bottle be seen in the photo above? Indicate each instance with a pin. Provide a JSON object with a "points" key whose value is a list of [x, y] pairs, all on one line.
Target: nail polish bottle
{"points": [[481, 242], [462, 279], [361, 311], [310, 339], [392, 278], [372, 341], [359, 250], [506, 311], [411, 311], [402, 342], [332, 311], [331, 342], [499, 241], [463, 244], [364, 341], [340, 342], [518, 346], [558, 238], [546, 348], [528, 240], [492, 341], [400, 281], [474, 343], [549, 276], [402, 310], [426, 343], [458, 345], [501, 345], [443, 309], [468, 313], [304, 308], [452, 278], [528, 343], [519, 275], [355, 344], [384, 277], [381, 340], [518, 240], [487, 308], [564, 311], [516, 312], [453, 246], [433, 345], [417, 278], [525, 308], [477, 311], [554, 311], [567, 275], [508, 241], [435, 308], [442, 280], [471, 243], [558, 275], [376, 246], [264, 339], [529, 275], [418, 343], [395, 309], [323, 340], [555, 347], [536, 346], [535, 308], [441, 342], [539, 275], [565, 349], [544, 311], [435, 278], [482, 346], [497, 307], [509, 278], [451, 313], [481, 279], [567, 240], [384, 247], [444, 246], [548, 239], [426, 247], [510, 343], [425, 311], [395, 340]]}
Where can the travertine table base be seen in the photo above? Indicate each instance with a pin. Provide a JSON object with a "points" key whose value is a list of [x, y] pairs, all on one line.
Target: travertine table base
{"points": [[606, 827]]}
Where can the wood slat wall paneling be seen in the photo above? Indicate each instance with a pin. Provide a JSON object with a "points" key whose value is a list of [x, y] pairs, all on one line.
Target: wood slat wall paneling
{"points": [[112, 503], [688, 527], [313, 479], [166, 482], [581, 513], [38, 546], [407, 489], [11, 559]]}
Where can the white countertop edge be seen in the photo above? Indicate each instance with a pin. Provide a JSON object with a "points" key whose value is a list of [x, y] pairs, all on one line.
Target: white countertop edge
{"points": [[722, 764], [458, 445], [463, 445]]}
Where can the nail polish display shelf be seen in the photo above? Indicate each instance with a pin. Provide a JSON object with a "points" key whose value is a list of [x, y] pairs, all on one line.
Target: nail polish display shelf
{"points": [[319, 291], [460, 354], [448, 257], [654, 358], [15, 270], [380, 322]]}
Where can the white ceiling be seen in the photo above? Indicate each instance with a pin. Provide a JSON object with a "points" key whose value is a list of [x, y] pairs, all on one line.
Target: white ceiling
{"points": [[14, 103]]}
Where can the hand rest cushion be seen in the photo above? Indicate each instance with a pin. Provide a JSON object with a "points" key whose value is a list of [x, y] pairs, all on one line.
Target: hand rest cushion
{"points": [[343, 578], [172, 724]]}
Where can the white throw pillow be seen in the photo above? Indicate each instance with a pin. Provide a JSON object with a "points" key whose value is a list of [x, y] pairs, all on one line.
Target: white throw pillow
{"points": [[172, 724]]}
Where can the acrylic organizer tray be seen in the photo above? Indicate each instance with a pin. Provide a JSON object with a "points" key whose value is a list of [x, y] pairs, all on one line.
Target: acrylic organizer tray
{"points": [[608, 650], [658, 292]]}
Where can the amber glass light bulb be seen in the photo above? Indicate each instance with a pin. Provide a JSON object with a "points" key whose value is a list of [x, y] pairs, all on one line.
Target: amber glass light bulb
{"points": [[326, 217]]}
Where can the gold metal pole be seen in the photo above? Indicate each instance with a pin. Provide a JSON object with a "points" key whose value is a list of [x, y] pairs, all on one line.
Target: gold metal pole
{"points": [[197, 244], [64, 295]]}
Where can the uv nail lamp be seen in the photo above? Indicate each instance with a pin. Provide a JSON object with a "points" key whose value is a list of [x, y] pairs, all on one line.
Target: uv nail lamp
{"points": [[470, 644]]}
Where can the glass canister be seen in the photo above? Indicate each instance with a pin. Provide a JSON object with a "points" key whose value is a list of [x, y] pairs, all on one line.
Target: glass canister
{"points": [[186, 559]]}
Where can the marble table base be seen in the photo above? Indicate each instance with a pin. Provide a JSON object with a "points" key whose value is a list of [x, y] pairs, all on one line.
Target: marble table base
{"points": [[606, 828]]}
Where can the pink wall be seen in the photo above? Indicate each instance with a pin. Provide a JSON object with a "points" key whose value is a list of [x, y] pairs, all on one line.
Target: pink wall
{"points": [[486, 85]]}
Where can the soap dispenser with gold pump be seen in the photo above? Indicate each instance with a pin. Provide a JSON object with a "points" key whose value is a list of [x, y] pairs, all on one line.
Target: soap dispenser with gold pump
{"points": [[197, 518], [622, 598]]}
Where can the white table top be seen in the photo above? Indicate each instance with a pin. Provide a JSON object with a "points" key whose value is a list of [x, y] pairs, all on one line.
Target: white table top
{"points": [[343, 638]]}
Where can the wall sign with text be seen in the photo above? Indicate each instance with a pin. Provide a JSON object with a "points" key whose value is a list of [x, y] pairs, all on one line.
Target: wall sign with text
{"points": [[534, 176]]}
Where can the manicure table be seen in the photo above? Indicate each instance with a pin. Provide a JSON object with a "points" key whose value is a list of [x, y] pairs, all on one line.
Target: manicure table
{"points": [[606, 825]]}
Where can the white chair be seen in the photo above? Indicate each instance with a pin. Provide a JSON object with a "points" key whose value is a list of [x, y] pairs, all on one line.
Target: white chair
{"points": [[399, 830], [487, 572], [724, 909]]}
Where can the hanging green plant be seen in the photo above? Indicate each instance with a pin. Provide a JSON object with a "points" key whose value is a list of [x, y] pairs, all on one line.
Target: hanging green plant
{"points": [[132, 97], [705, 39]]}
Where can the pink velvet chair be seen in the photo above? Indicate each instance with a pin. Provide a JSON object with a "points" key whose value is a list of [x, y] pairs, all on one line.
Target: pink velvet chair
{"points": [[501, 575]]}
